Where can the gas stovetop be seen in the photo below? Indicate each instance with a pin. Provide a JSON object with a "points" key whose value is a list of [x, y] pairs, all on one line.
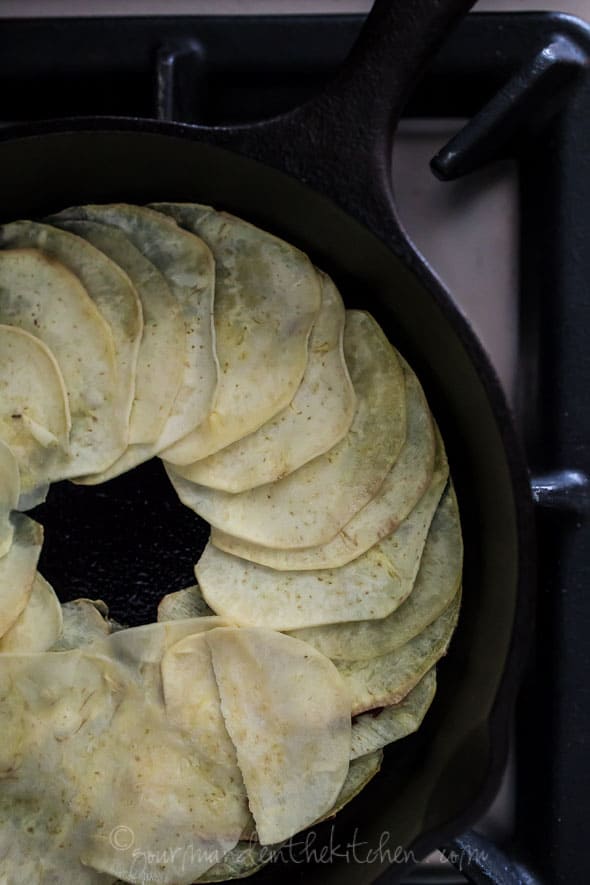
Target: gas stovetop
{"points": [[523, 84]]}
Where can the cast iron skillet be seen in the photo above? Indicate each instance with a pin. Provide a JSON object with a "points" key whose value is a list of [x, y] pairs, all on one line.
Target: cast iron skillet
{"points": [[320, 177]]}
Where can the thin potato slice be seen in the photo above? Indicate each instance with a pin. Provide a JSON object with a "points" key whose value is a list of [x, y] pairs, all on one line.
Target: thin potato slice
{"points": [[109, 288], [402, 488], [311, 505], [372, 731], [186, 603], [387, 679], [267, 296], [83, 621], [437, 583], [360, 772], [18, 568], [160, 361], [187, 265], [34, 411], [9, 494], [41, 296], [317, 418], [370, 587], [291, 728], [191, 698], [77, 715], [39, 625]]}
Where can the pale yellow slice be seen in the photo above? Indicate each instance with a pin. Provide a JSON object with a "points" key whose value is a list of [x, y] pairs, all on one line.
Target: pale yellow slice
{"points": [[311, 505], [401, 489], [18, 568], [107, 285], [160, 361], [267, 296], [41, 296], [317, 417], [39, 625], [291, 727]]}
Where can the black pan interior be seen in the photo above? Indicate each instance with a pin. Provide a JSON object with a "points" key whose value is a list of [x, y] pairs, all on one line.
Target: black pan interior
{"points": [[130, 541]]}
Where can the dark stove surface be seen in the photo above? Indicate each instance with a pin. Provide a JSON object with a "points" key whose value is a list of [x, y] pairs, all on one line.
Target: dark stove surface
{"points": [[530, 75]]}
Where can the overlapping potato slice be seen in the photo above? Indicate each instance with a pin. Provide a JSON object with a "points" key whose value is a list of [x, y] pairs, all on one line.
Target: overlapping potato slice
{"points": [[401, 489], [361, 770], [187, 265], [387, 679], [9, 493], [437, 582], [160, 361], [371, 731], [109, 288], [311, 505], [83, 621], [291, 729], [267, 296], [186, 603], [34, 411], [18, 568], [41, 296], [317, 417], [79, 715], [39, 625], [371, 586]]}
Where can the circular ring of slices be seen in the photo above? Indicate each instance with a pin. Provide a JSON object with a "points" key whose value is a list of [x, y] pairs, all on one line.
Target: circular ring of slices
{"points": [[260, 700]]}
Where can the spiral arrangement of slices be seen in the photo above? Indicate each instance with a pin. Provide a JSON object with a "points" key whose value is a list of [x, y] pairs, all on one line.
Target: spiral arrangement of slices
{"points": [[260, 700]]}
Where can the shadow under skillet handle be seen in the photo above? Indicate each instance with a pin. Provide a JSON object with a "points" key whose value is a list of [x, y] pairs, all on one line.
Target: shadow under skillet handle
{"points": [[340, 141]]}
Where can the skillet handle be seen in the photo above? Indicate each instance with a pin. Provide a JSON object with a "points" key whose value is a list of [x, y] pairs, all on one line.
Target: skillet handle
{"points": [[340, 142]]}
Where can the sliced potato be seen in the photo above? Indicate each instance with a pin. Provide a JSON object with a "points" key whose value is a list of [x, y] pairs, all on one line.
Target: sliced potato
{"points": [[317, 418], [77, 715], [41, 296], [370, 587], [110, 289], [387, 679], [360, 772], [39, 625], [9, 494], [34, 410], [187, 603], [311, 505], [18, 568], [83, 621], [371, 731], [291, 728], [437, 583], [267, 296], [160, 361], [401, 490], [187, 265]]}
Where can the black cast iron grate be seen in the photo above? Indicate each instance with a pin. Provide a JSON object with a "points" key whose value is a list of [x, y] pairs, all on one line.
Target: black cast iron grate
{"points": [[524, 81]]}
